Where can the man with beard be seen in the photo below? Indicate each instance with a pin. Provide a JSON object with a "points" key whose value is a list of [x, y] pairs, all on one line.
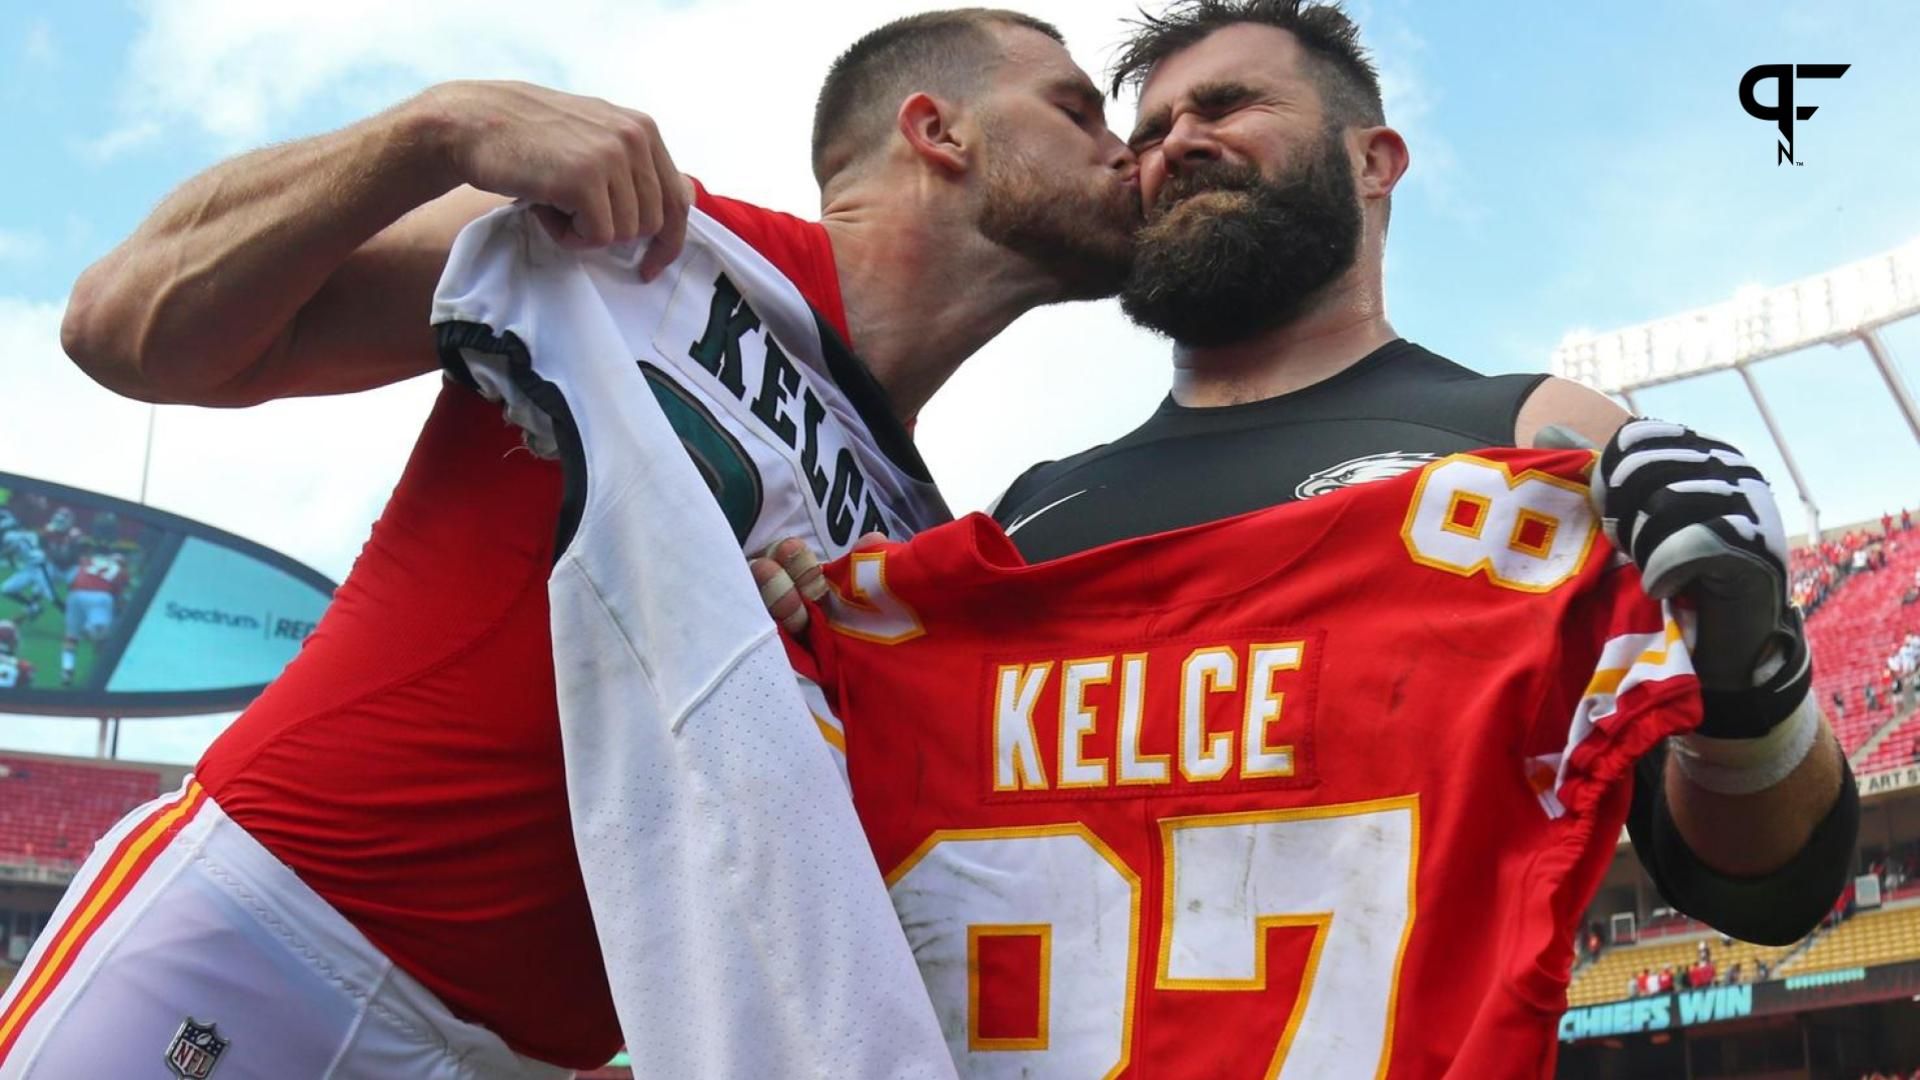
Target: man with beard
{"points": [[372, 872], [1267, 169]]}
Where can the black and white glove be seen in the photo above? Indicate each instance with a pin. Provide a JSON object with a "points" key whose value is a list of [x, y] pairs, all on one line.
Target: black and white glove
{"points": [[1697, 518]]}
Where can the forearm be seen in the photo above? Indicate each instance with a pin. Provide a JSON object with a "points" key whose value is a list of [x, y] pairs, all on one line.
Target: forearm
{"points": [[1755, 834], [212, 282]]}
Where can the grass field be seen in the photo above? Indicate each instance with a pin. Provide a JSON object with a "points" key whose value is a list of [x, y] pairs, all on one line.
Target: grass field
{"points": [[40, 644]]}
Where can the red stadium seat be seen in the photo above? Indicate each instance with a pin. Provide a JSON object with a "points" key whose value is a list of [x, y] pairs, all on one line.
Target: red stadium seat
{"points": [[1852, 633], [51, 811]]}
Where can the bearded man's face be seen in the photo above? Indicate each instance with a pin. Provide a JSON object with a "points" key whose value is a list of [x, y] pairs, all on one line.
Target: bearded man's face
{"points": [[1227, 252]]}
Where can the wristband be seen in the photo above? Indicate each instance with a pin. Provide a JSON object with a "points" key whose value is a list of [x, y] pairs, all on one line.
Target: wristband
{"points": [[1744, 766]]}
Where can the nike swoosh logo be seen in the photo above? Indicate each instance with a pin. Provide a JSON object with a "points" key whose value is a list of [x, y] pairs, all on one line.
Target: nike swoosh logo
{"points": [[1023, 520]]}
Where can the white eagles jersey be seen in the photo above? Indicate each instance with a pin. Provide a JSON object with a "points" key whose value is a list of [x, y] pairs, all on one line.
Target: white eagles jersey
{"points": [[743, 921], [763, 396], [22, 548]]}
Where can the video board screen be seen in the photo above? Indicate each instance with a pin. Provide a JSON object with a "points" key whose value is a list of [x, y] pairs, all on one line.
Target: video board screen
{"points": [[110, 608]]}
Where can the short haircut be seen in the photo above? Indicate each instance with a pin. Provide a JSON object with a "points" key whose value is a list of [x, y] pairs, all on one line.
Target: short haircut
{"points": [[1342, 71], [943, 52]]}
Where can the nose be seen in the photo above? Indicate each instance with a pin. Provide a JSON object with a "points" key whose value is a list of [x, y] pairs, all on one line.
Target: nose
{"points": [[1121, 160], [1189, 142]]}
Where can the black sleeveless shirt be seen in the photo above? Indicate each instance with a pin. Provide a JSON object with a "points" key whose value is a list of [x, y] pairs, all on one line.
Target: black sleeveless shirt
{"points": [[1392, 412], [1397, 409]]}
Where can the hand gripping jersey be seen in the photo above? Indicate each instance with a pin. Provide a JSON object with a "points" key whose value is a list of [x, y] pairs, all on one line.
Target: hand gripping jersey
{"points": [[1318, 791], [744, 928], [731, 351]]}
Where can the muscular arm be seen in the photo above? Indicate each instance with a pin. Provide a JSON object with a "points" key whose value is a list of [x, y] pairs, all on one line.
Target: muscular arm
{"points": [[308, 268], [1736, 835], [257, 279]]}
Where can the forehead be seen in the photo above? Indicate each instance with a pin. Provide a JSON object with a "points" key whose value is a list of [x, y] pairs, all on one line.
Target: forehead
{"points": [[1264, 57], [1031, 57]]}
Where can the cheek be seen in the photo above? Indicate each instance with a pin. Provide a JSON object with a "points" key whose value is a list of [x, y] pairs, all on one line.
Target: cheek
{"points": [[1153, 174]]}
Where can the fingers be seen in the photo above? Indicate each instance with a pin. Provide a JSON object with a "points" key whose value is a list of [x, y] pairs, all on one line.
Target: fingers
{"points": [[629, 198], [802, 566], [786, 574], [869, 541], [558, 225], [670, 230], [602, 170], [591, 222], [779, 593]]}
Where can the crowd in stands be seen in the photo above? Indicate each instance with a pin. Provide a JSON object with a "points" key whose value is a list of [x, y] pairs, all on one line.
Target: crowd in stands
{"points": [[1647, 982], [1866, 633], [1894, 1075], [1817, 570]]}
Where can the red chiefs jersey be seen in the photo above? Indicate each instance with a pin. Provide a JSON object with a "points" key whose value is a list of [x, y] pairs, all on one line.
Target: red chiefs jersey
{"points": [[1319, 791], [407, 763], [98, 573]]}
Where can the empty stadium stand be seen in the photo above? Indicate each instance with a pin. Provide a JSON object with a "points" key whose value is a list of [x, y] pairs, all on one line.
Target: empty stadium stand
{"points": [[1887, 936], [52, 810], [1895, 749]]}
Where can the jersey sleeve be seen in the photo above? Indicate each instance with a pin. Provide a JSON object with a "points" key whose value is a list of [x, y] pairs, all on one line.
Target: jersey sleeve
{"points": [[1625, 682]]}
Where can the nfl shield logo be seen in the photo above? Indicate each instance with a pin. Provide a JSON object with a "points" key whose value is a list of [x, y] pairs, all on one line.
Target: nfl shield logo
{"points": [[195, 1050]]}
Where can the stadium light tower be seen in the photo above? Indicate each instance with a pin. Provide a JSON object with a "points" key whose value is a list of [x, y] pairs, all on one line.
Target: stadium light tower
{"points": [[1849, 303]]}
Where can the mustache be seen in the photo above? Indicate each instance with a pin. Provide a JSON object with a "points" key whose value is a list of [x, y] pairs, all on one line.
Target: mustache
{"points": [[1212, 176]]}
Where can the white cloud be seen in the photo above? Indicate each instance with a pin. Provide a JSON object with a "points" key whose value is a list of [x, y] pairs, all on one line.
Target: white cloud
{"points": [[1413, 108], [736, 109], [306, 477], [59, 424], [126, 138], [20, 247]]}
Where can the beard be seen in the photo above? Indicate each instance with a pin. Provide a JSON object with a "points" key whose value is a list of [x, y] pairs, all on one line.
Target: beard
{"points": [[1230, 253], [1080, 236]]}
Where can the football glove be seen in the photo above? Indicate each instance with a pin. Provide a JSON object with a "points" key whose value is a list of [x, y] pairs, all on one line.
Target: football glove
{"points": [[1698, 519]]}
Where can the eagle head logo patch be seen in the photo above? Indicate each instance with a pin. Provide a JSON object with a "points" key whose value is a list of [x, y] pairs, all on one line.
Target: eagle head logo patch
{"points": [[1361, 470]]}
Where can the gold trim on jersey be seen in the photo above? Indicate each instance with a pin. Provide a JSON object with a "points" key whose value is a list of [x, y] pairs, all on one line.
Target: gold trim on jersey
{"points": [[876, 606], [1199, 748], [1484, 564], [1134, 767], [1077, 721], [1608, 680], [1266, 708], [1482, 508], [1027, 770], [1321, 921], [1100, 848], [976, 931]]}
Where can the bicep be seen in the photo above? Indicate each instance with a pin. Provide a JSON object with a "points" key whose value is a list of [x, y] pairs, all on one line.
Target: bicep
{"points": [[369, 323], [1570, 405]]}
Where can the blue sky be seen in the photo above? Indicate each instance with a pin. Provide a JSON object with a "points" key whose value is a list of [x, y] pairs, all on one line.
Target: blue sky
{"points": [[1574, 166]]}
